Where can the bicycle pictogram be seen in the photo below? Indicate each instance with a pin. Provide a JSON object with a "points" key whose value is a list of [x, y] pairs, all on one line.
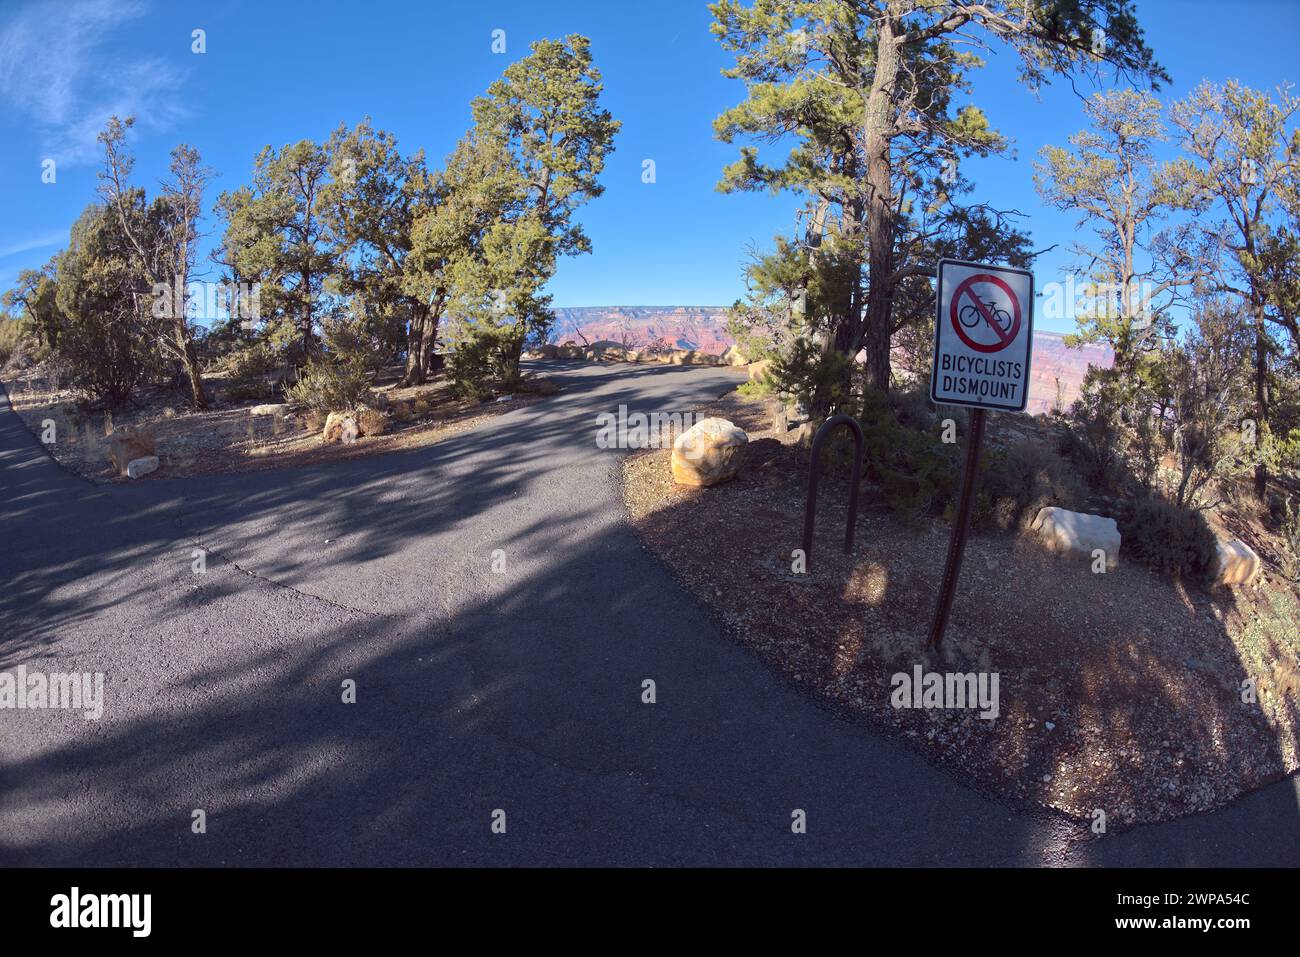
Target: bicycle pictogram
{"points": [[970, 315]]}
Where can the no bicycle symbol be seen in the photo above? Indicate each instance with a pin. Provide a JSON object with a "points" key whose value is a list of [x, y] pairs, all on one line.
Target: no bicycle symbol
{"points": [[984, 318], [985, 313]]}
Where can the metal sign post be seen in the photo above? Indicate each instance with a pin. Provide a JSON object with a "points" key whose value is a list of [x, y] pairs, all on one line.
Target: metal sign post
{"points": [[983, 338], [960, 528]]}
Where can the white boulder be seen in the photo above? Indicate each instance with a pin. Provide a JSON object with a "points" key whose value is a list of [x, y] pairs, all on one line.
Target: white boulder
{"points": [[1236, 563], [1078, 533], [142, 466]]}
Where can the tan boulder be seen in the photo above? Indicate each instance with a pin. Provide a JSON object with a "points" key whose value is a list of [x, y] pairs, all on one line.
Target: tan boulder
{"points": [[128, 444], [709, 452], [731, 356], [549, 351], [1235, 564], [758, 370], [371, 422], [340, 427]]}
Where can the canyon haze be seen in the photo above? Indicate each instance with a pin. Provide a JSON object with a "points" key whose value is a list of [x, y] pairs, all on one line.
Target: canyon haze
{"points": [[1056, 374]]}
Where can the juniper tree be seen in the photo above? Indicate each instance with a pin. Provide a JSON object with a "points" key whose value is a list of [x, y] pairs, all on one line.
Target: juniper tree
{"points": [[1112, 180], [869, 92], [1243, 157], [162, 240], [546, 112], [372, 202], [278, 236]]}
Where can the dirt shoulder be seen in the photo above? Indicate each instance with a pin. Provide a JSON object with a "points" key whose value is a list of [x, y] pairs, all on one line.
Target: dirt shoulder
{"points": [[229, 437], [1120, 692]]}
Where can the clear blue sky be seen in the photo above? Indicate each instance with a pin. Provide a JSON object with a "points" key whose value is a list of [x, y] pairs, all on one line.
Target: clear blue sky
{"points": [[275, 72]]}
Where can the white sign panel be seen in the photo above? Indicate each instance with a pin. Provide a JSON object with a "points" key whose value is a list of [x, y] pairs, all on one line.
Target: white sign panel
{"points": [[984, 328]]}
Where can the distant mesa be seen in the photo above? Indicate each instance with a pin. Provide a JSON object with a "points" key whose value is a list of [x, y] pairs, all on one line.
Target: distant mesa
{"points": [[1056, 374]]}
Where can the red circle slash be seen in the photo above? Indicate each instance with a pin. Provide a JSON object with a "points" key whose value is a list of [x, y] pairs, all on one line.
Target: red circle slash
{"points": [[1004, 338]]}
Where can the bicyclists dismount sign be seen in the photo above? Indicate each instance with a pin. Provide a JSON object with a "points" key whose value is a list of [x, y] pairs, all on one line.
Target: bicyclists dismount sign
{"points": [[983, 336]]}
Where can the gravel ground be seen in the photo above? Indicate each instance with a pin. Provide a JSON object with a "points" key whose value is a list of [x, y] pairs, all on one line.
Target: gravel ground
{"points": [[1118, 691]]}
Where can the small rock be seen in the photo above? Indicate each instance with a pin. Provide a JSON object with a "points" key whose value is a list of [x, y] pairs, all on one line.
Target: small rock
{"points": [[142, 466], [1049, 726], [271, 408]]}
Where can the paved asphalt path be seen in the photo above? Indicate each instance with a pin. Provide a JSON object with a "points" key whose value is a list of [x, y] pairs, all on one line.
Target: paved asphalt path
{"points": [[476, 691]]}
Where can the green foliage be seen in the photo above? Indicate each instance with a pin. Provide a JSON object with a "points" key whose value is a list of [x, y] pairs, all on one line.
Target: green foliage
{"points": [[918, 473], [104, 334], [1289, 531], [34, 298], [17, 340], [277, 234], [247, 370], [324, 386], [863, 108], [482, 359], [1168, 537], [1019, 480], [546, 138], [374, 203], [818, 378], [1093, 441], [542, 138]]}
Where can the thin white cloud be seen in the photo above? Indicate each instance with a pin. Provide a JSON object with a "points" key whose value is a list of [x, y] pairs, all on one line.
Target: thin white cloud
{"points": [[54, 68], [37, 242]]}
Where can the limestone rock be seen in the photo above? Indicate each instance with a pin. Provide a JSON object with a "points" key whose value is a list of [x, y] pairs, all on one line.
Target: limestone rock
{"points": [[340, 427], [708, 452], [758, 370], [371, 422], [142, 466], [270, 408], [1078, 533], [732, 356], [1236, 563]]}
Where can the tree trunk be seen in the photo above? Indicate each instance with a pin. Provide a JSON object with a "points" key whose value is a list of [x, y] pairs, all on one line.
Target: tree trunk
{"points": [[421, 337], [190, 360], [428, 338], [879, 209], [1261, 398], [185, 343], [415, 363]]}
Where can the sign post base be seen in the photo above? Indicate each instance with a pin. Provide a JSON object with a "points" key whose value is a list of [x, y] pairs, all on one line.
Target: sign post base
{"points": [[960, 528]]}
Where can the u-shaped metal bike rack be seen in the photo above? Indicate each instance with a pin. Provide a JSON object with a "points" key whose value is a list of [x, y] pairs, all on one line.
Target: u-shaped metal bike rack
{"points": [[814, 467]]}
